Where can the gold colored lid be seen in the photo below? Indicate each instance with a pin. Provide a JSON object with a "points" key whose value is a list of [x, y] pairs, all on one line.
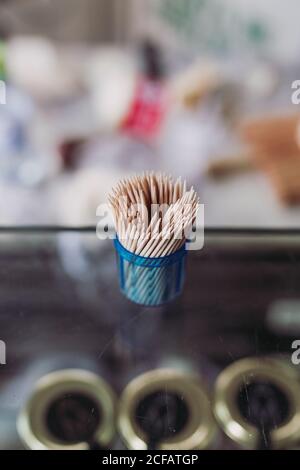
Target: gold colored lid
{"points": [[199, 432], [32, 421], [247, 371]]}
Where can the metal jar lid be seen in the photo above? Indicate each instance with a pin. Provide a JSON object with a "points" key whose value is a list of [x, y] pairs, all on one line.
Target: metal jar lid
{"points": [[183, 391], [69, 409], [236, 379]]}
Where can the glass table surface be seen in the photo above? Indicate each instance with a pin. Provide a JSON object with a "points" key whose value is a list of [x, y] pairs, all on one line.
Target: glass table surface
{"points": [[60, 307]]}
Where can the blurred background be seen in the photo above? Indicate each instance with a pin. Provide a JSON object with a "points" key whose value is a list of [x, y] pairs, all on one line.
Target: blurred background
{"points": [[98, 89], [92, 91]]}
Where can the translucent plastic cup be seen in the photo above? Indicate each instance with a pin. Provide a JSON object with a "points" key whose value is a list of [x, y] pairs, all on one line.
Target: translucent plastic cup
{"points": [[150, 281]]}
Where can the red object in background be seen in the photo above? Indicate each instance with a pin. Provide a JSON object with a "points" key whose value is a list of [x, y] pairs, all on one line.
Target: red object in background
{"points": [[147, 110]]}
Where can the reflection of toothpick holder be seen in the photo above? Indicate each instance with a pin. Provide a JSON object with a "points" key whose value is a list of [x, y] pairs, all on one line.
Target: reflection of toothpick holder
{"points": [[150, 281]]}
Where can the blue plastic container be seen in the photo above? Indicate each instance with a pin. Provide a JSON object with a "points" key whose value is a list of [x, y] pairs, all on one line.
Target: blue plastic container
{"points": [[150, 281]]}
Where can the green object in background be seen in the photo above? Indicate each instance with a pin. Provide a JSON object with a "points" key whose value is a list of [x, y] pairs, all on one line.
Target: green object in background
{"points": [[2, 61], [256, 32], [213, 26], [181, 13]]}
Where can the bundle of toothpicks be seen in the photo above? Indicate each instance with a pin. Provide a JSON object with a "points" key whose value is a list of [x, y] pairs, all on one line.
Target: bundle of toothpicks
{"points": [[153, 214]]}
